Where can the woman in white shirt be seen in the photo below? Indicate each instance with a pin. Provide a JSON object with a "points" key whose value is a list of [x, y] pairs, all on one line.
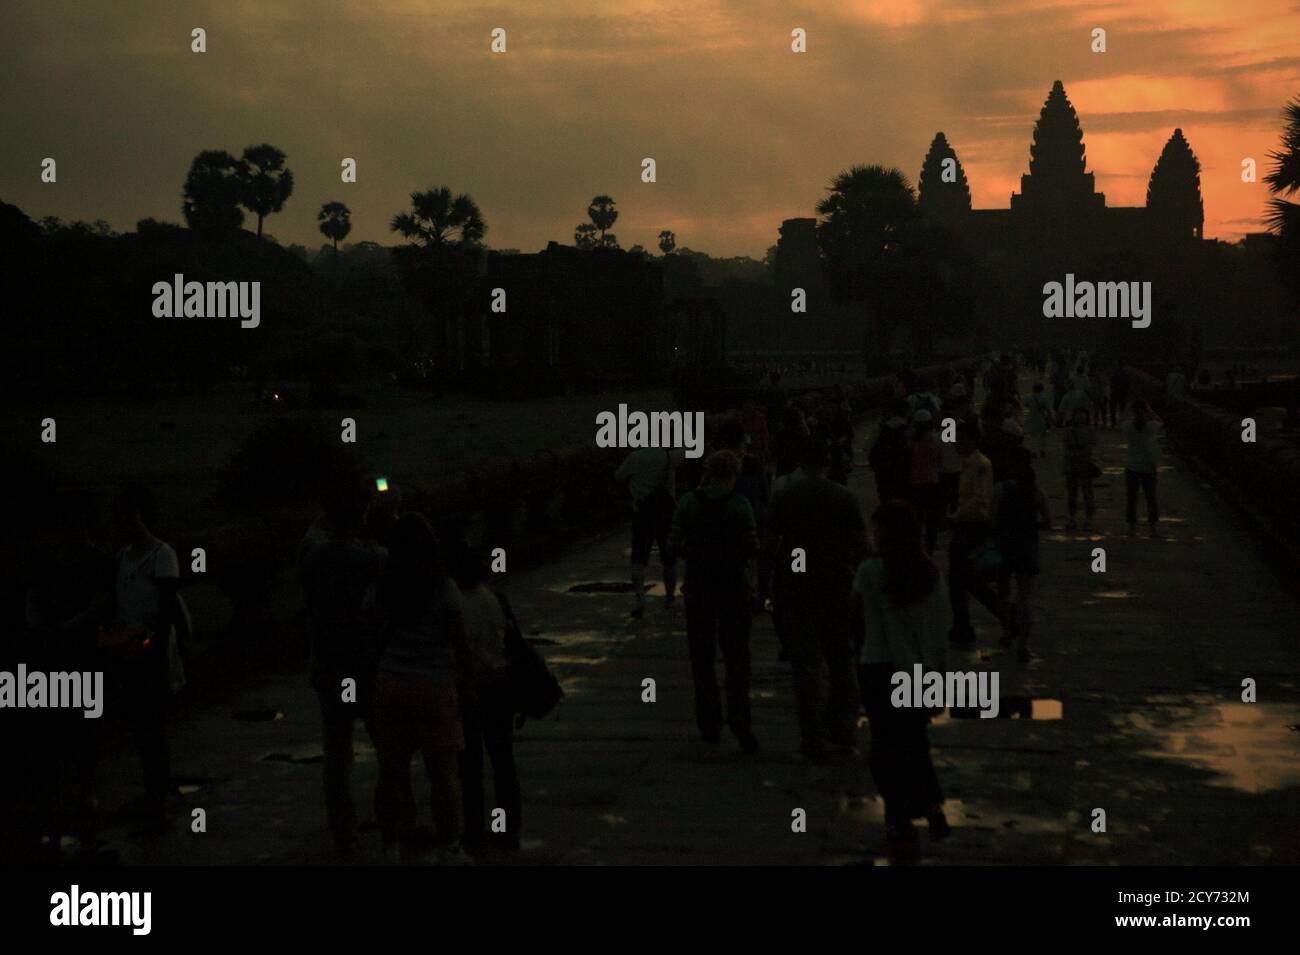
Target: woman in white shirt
{"points": [[903, 614]]}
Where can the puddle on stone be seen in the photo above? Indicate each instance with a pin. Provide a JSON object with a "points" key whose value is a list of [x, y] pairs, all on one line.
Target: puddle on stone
{"points": [[1248, 746], [1010, 708], [613, 587], [603, 587], [287, 758], [265, 714]]}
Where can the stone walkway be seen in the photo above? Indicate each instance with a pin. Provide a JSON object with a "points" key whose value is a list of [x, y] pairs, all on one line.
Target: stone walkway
{"points": [[1132, 705]]}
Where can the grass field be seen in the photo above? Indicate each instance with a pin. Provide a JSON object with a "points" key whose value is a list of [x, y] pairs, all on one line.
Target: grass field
{"points": [[177, 447]]}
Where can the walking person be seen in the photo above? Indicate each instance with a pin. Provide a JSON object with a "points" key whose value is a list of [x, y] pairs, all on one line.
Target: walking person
{"points": [[1078, 444], [650, 477], [971, 530], [1018, 511], [958, 408], [890, 457], [1097, 393], [147, 614], [716, 527], [1118, 404], [1141, 462], [337, 566], [924, 489], [1038, 418], [822, 521], [419, 640], [900, 617], [488, 720]]}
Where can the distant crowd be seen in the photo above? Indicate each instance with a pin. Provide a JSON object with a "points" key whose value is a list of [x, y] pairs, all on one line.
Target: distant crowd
{"points": [[409, 638]]}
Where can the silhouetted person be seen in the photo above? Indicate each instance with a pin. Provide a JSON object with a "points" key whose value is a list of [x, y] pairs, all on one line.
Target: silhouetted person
{"points": [[970, 530], [1038, 419], [69, 595], [958, 408], [650, 477], [788, 441], [823, 520], [890, 457], [419, 640], [146, 613], [716, 527], [1097, 388], [1141, 462], [924, 490], [1018, 511], [1118, 405], [338, 566], [900, 617], [1077, 449], [489, 720]]}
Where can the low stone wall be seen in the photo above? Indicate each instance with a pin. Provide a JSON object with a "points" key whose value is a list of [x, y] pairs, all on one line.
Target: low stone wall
{"points": [[532, 506], [1263, 478]]}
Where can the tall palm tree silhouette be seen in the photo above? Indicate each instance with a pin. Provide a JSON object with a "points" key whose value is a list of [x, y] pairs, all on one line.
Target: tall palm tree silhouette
{"points": [[437, 218], [1284, 180], [335, 222], [603, 214], [265, 181]]}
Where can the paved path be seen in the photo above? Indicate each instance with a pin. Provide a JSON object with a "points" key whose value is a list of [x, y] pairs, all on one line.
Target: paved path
{"points": [[1141, 668]]}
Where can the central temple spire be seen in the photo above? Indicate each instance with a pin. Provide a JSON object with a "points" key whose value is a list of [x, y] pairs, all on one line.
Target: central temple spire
{"points": [[1057, 182]]}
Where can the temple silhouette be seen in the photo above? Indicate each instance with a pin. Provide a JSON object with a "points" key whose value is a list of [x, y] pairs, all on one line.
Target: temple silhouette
{"points": [[1058, 209], [1058, 206]]}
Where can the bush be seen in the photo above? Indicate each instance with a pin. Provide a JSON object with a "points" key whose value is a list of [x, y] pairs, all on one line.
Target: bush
{"points": [[288, 460]]}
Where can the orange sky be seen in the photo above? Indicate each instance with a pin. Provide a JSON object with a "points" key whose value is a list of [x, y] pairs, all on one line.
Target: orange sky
{"points": [[745, 133]]}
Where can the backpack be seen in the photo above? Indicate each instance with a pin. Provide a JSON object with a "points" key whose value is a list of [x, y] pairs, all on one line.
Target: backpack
{"points": [[530, 686]]}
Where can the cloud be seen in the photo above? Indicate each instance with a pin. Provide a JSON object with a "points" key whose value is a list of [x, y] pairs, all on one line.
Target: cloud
{"points": [[744, 131]]}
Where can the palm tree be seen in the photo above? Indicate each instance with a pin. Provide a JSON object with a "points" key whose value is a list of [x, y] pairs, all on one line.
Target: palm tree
{"points": [[863, 218], [667, 242], [265, 182], [584, 236], [211, 196], [609, 241], [439, 219], [1284, 180], [335, 222], [603, 214]]}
